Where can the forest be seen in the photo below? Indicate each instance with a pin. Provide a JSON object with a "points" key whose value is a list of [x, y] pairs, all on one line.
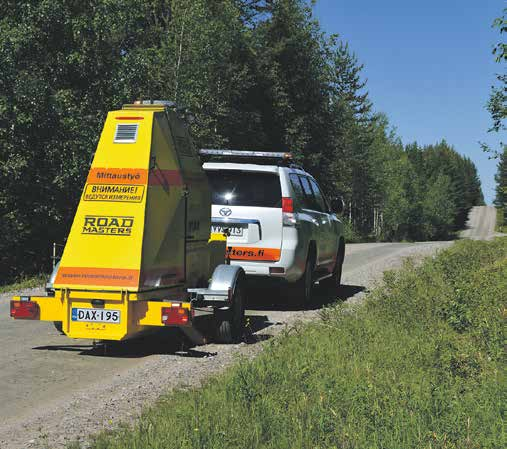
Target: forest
{"points": [[257, 74]]}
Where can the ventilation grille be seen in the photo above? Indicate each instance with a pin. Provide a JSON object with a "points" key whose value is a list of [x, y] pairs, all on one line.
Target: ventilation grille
{"points": [[126, 133]]}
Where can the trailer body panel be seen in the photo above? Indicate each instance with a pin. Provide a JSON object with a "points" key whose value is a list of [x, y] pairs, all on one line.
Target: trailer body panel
{"points": [[140, 236]]}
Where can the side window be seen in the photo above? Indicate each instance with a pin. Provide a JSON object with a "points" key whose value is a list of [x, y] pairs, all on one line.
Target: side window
{"points": [[319, 198], [309, 200], [298, 190]]}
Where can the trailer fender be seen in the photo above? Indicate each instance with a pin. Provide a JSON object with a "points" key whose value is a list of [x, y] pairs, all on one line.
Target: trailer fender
{"points": [[230, 320], [226, 277]]}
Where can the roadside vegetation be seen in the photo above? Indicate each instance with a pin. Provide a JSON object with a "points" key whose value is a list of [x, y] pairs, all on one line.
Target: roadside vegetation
{"points": [[501, 192], [497, 107], [418, 365], [24, 283], [256, 74], [501, 224]]}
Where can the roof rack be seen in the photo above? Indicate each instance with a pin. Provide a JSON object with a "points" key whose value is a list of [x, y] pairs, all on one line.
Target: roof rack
{"points": [[257, 157]]}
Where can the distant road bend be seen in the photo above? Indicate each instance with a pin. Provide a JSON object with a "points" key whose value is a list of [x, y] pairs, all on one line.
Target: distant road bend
{"points": [[481, 224], [53, 389]]}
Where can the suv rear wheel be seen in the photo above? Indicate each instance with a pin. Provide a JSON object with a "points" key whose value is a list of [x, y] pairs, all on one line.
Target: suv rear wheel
{"points": [[334, 281], [303, 288]]}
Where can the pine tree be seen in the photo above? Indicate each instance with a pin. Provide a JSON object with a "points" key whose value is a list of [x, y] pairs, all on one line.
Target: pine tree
{"points": [[438, 208]]}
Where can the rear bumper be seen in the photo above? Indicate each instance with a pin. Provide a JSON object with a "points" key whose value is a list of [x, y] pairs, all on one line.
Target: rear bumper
{"points": [[135, 316], [292, 260]]}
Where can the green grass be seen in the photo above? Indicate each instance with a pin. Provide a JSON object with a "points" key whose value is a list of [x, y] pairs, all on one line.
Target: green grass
{"points": [[418, 366], [501, 226], [24, 283]]}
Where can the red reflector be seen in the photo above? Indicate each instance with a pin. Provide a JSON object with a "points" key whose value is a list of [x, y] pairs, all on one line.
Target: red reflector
{"points": [[175, 316], [287, 205], [276, 270], [129, 118], [24, 310]]}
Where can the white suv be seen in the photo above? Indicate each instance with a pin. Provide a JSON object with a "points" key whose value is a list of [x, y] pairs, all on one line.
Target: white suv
{"points": [[280, 225]]}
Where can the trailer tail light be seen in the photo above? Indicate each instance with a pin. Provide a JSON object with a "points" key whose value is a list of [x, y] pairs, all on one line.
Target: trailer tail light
{"points": [[289, 218], [25, 310], [175, 315]]}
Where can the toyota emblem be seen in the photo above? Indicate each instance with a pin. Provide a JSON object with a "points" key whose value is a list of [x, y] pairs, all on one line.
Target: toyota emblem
{"points": [[225, 212]]}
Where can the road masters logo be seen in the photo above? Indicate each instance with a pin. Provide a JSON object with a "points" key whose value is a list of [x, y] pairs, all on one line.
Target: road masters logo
{"points": [[107, 225]]}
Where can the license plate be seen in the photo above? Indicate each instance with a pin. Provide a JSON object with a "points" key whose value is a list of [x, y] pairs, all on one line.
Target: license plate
{"points": [[96, 315], [235, 231]]}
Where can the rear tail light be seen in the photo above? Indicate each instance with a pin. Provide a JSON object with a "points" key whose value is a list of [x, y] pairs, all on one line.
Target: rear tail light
{"points": [[25, 310], [287, 205], [175, 315], [276, 270], [289, 218]]}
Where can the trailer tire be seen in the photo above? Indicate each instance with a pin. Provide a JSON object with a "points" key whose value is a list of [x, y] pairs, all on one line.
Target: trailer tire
{"points": [[230, 322]]}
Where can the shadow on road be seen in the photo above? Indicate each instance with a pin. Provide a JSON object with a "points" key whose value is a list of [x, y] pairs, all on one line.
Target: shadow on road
{"points": [[280, 298], [164, 341], [171, 341]]}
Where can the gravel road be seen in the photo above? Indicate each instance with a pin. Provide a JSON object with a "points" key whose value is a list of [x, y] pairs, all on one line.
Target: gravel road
{"points": [[481, 224], [55, 390]]}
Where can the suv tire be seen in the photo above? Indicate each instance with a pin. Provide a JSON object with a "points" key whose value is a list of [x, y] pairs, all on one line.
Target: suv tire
{"points": [[334, 281], [303, 288]]}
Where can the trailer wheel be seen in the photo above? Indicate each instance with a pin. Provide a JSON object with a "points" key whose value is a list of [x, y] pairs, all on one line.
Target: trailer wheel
{"points": [[230, 322]]}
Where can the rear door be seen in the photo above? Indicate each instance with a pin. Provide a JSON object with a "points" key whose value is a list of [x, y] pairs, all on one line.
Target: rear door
{"points": [[312, 208], [249, 205], [329, 247]]}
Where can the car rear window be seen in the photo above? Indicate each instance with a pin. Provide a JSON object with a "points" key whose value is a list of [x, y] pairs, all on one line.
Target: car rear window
{"points": [[243, 188]]}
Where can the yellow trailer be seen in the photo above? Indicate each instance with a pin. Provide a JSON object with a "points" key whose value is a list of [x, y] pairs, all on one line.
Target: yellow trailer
{"points": [[139, 253]]}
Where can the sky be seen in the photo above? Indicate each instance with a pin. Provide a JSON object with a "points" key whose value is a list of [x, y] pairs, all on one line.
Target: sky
{"points": [[429, 67]]}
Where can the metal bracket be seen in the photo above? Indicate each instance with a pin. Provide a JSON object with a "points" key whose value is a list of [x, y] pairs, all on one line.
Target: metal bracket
{"points": [[208, 297]]}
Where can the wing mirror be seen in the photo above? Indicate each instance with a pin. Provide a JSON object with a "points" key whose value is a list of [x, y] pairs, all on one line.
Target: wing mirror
{"points": [[337, 205]]}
